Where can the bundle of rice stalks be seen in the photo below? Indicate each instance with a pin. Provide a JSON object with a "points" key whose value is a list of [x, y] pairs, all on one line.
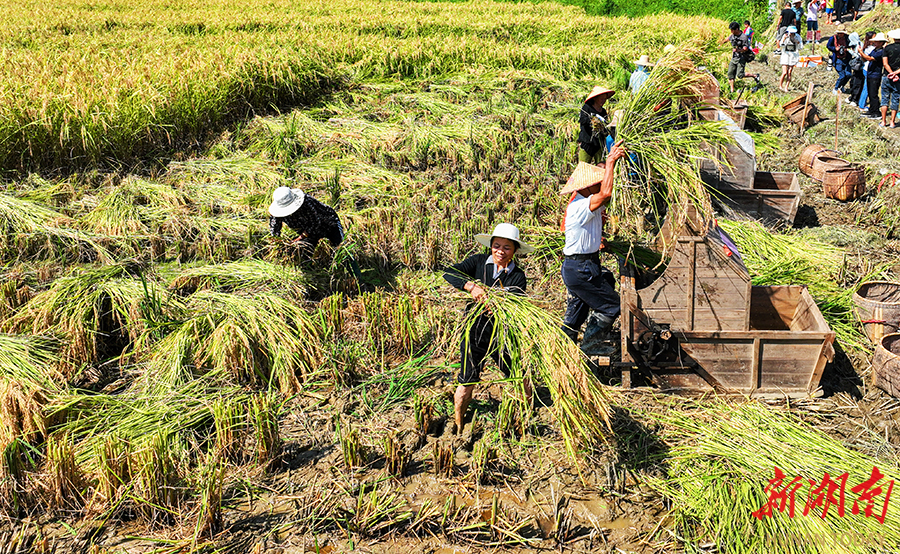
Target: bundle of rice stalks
{"points": [[96, 312], [247, 275], [135, 207], [540, 351], [29, 229], [666, 144], [28, 379], [793, 259], [249, 339], [721, 478]]}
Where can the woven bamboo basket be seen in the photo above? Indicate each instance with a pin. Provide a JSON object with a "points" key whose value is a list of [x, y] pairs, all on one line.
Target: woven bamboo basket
{"points": [[886, 364], [844, 183], [809, 156], [877, 305]]}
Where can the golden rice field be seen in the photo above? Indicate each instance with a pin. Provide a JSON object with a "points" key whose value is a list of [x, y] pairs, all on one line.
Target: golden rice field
{"points": [[172, 380]]}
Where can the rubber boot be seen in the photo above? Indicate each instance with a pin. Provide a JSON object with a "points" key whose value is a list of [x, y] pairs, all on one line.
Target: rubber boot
{"points": [[596, 331]]}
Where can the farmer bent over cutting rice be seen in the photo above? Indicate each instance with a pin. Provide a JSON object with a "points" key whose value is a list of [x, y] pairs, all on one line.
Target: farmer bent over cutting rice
{"points": [[591, 289], [311, 219], [474, 275]]}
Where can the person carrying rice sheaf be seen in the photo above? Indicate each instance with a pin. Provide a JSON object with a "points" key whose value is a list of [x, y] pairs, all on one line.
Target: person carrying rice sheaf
{"points": [[475, 275], [594, 122], [311, 219], [591, 289]]}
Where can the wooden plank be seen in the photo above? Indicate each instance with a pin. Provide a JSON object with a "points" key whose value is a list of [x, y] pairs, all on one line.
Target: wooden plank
{"points": [[772, 308], [819, 368], [689, 317], [750, 335], [754, 366]]}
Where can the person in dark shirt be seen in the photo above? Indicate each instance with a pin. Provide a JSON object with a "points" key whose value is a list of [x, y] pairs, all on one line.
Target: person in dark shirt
{"points": [[873, 74], [311, 219], [787, 18], [890, 82], [839, 45], [594, 121], [475, 275]]}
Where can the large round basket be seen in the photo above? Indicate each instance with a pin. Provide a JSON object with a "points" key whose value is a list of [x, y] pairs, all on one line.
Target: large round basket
{"points": [[810, 154], [844, 183], [877, 305], [886, 364]]}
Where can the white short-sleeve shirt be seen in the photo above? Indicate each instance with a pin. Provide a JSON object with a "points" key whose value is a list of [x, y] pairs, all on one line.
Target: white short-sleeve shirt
{"points": [[584, 228]]}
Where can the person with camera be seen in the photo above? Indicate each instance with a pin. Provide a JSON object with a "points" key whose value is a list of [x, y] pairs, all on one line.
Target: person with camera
{"points": [[740, 54], [890, 82], [839, 45], [790, 54], [594, 122]]}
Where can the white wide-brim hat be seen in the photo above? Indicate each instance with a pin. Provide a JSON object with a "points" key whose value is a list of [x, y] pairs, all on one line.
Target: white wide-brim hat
{"points": [[286, 201], [879, 38], [505, 231], [644, 61], [894, 34]]}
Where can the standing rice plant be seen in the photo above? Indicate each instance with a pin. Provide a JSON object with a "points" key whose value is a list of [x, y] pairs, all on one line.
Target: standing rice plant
{"points": [[17, 460], [541, 352], [232, 428], [210, 479], [722, 458], [113, 472], [63, 481], [659, 128], [28, 380], [264, 411], [158, 486]]}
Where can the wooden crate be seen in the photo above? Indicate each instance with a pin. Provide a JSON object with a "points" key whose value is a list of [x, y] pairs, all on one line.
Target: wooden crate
{"points": [[722, 333], [773, 199]]}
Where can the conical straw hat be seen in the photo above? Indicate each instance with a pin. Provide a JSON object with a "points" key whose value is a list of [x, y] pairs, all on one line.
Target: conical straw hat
{"points": [[585, 175]]}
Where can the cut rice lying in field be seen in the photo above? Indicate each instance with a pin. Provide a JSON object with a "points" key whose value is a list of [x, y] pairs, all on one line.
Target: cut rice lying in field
{"points": [[28, 379], [244, 275], [723, 457], [540, 352]]}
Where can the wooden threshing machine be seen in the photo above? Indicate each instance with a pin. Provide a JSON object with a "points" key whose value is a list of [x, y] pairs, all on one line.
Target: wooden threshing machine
{"points": [[701, 325]]}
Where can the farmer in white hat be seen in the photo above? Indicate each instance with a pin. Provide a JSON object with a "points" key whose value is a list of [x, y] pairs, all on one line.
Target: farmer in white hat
{"points": [[311, 219], [591, 289], [641, 74], [594, 122], [495, 269]]}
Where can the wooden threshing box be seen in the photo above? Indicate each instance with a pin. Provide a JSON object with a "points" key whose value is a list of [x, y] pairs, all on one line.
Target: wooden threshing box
{"points": [[773, 197], [701, 325]]}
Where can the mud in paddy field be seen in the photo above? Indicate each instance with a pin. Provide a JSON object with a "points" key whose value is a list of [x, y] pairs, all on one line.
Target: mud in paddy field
{"points": [[177, 382]]}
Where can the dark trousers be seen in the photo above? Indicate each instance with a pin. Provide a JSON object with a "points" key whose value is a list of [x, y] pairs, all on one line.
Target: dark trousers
{"points": [[857, 82], [873, 85], [843, 71], [476, 348], [590, 288]]}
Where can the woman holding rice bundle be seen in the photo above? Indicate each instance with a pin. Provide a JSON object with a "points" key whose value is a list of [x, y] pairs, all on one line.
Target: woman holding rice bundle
{"points": [[594, 121], [475, 275]]}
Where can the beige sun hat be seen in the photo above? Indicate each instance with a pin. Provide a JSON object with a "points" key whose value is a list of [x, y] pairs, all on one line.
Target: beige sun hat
{"points": [[879, 38], [841, 29], [505, 231], [286, 201], [598, 91], [585, 175], [644, 60]]}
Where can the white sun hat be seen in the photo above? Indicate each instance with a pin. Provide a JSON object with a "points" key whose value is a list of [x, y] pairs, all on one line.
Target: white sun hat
{"points": [[894, 34], [286, 201], [879, 38], [505, 231]]}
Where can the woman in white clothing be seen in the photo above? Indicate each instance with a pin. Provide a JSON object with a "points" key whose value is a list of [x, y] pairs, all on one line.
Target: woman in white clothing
{"points": [[790, 54]]}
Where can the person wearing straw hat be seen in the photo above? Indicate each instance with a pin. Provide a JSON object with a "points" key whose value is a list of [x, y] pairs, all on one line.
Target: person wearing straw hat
{"points": [[890, 82], [591, 289], [311, 219], [640, 74], [476, 274], [594, 120], [839, 46]]}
